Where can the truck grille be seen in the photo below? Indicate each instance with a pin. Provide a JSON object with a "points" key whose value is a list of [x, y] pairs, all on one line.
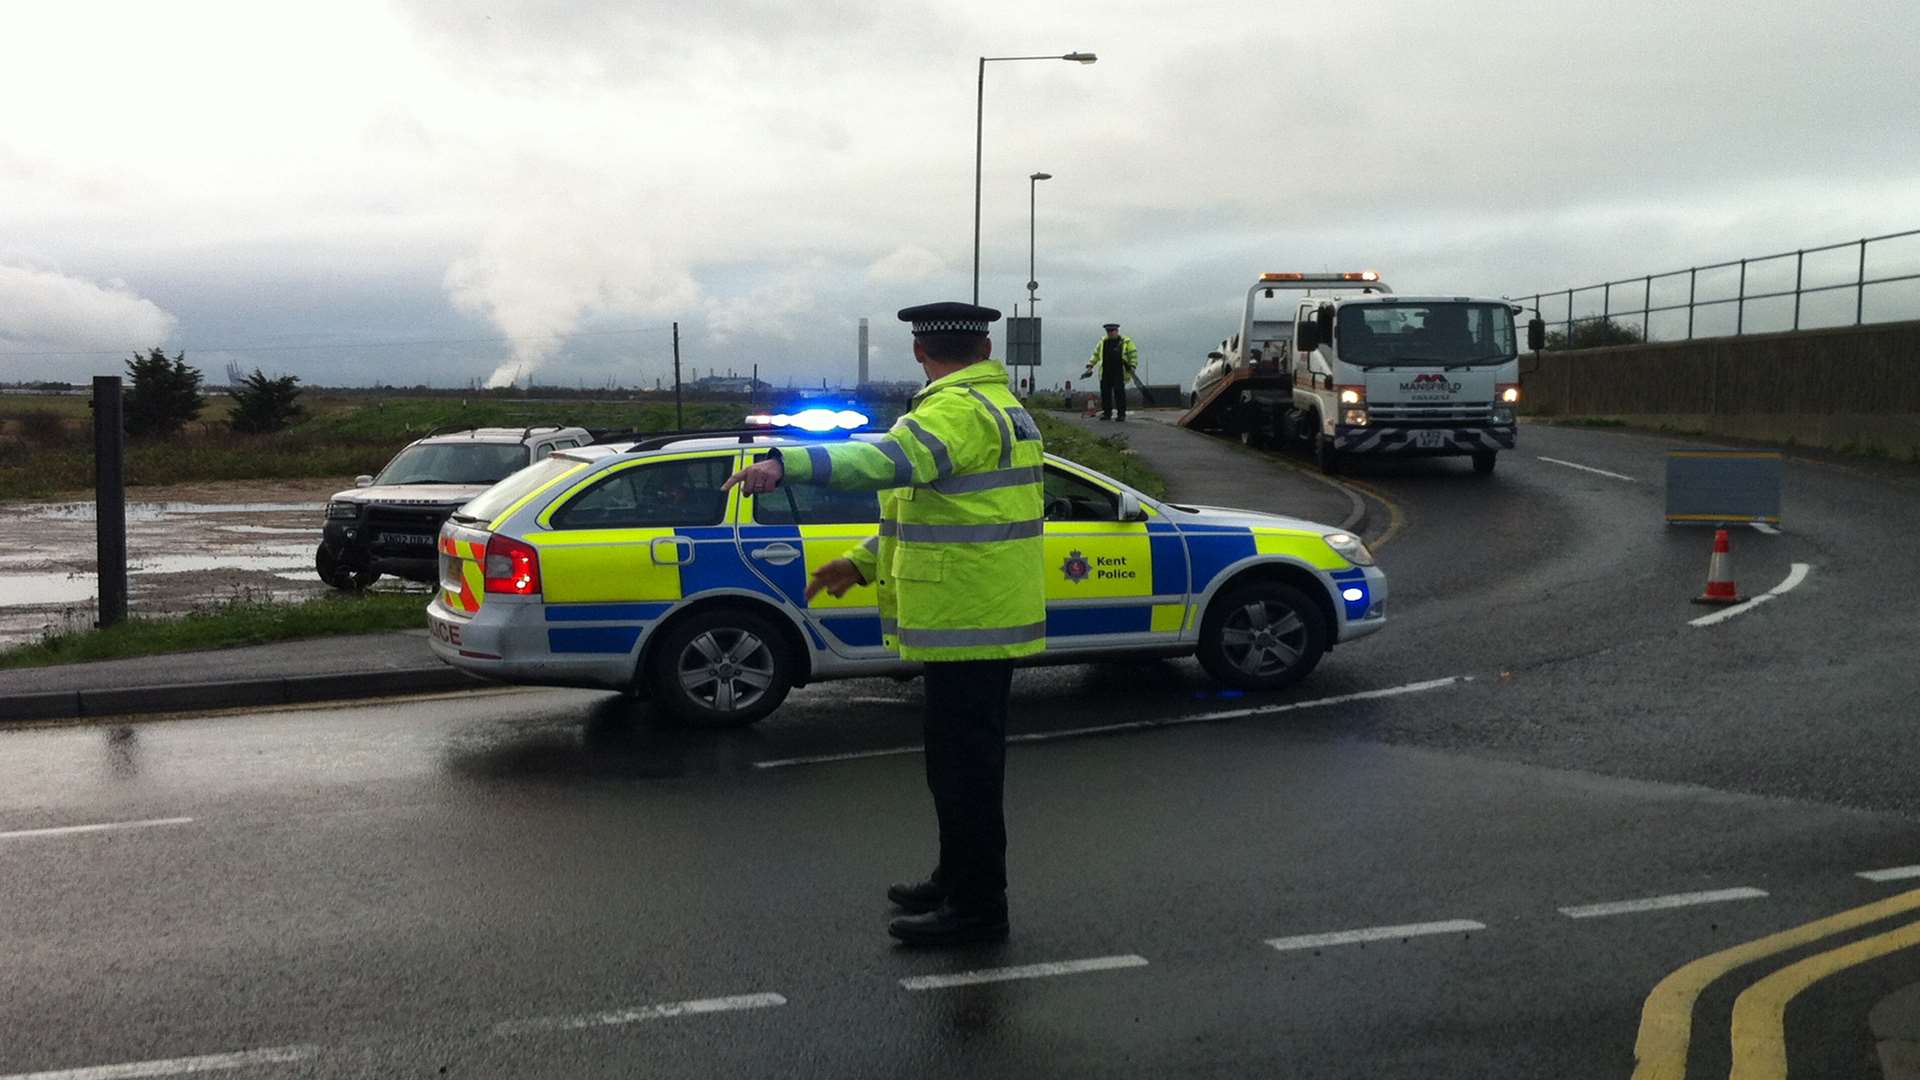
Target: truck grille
{"points": [[1457, 412], [408, 531]]}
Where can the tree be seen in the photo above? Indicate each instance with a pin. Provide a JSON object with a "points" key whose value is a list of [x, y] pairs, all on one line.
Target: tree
{"points": [[1594, 334], [163, 394], [263, 405]]}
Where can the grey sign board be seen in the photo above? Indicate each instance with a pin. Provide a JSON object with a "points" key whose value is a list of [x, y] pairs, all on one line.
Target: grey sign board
{"points": [[1023, 341], [1708, 486]]}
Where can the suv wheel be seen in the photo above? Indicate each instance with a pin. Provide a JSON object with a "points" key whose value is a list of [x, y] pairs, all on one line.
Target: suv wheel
{"points": [[326, 562], [722, 667], [1262, 636]]}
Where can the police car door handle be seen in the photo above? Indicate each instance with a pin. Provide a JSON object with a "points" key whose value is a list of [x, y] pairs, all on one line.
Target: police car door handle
{"points": [[777, 554], [679, 551]]}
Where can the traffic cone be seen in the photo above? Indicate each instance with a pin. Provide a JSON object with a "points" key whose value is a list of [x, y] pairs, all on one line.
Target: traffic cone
{"points": [[1093, 407], [1720, 587]]}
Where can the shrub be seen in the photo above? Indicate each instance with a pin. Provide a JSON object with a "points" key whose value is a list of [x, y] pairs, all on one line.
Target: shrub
{"points": [[44, 427], [164, 394], [1594, 334], [262, 405]]}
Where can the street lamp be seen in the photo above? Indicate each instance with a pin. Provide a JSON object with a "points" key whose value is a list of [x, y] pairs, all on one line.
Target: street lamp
{"points": [[1033, 283], [979, 128]]}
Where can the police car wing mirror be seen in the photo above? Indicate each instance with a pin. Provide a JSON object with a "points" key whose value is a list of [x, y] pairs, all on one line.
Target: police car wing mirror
{"points": [[1536, 333], [1130, 508], [363, 480]]}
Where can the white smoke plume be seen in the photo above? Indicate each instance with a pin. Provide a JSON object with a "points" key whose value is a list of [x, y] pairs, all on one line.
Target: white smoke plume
{"points": [[43, 310]]}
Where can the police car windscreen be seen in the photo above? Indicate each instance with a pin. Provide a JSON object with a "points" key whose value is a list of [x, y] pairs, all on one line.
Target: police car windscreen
{"points": [[1372, 335], [454, 463]]}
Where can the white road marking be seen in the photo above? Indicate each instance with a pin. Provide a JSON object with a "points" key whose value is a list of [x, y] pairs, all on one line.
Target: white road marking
{"points": [[273, 1055], [1030, 971], [1891, 873], [1763, 527], [1661, 903], [1374, 933], [1589, 468], [637, 1015], [75, 830], [878, 701], [1794, 577], [1140, 725]]}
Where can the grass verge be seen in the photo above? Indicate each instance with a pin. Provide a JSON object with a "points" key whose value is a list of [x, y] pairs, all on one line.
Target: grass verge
{"points": [[238, 623], [1107, 454]]}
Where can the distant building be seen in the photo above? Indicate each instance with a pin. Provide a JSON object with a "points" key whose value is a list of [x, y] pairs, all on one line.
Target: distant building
{"points": [[728, 384]]}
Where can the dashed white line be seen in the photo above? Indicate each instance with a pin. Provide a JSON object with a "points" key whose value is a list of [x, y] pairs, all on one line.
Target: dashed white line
{"points": [[1140, 725], [1029, 971], [1795, 576], [637, 1015], [273, 1055], [1891, 873], [77, 830], [1589, 468], [878, 701], [1763, 527], [1661, 903], [1375, 933]]}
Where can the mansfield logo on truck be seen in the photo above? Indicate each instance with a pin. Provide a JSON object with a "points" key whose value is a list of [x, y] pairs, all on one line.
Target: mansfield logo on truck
{"points": [[1431, 382]]}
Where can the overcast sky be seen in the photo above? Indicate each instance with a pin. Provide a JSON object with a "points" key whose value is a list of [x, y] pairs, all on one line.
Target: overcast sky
{"points": [[521, 184]]}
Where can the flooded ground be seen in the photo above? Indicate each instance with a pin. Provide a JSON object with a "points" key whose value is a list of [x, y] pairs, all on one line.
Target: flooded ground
{"points": [[188, 547]]}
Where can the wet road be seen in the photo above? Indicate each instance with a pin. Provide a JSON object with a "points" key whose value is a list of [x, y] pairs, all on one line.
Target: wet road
{"points": [[545, 884]]}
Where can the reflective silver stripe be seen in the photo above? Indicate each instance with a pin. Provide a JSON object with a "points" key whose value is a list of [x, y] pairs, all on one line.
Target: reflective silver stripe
{"points": [[1023, 425], [987, 481], [822, 463], [871, 544], [970, 534], [1004, 635], [942, 460], [902, 468], [886, 528], [1006, 433], [889, 626]]}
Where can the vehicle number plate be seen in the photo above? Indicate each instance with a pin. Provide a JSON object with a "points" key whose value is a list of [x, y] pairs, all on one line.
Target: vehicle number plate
{"points": [[445, 631], [405, 538], [1430, 440]]}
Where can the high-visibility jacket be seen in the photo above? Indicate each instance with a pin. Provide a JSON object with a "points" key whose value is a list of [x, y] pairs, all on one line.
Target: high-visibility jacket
{"points": [[1129, 356], [959, 560]]}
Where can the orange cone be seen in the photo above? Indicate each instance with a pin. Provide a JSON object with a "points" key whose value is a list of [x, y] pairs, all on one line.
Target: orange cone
{"points": [[1720, 587], [1093, 406]]}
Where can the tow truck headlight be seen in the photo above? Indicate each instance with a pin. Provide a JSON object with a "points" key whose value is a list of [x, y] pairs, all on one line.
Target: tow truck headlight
{"points": [[1349, 547], [1353, 395], [1355, 418], [1507, 393], [342, 511]]}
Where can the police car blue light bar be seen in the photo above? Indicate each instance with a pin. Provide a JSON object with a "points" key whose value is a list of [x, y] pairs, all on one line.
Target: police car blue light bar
{"points": [[818, 421]]}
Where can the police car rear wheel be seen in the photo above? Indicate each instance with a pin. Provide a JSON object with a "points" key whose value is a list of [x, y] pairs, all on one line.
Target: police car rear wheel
{"points": [[1262, 636], [721, 668]]}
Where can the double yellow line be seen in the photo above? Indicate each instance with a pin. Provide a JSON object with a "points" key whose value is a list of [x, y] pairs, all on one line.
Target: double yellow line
{"points": [[1759, 1013]]}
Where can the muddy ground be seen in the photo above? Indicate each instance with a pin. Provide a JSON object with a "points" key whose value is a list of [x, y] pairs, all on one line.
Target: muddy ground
{"points": [[189, 546]]}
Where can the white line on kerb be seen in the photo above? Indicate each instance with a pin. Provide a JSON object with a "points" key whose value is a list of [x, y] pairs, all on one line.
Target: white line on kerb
{"points": [[1030, 971], [1795, 576], [1589, 468], [1140, 725], [1891, 873], [273, 1055], [1661, 903], [1763, 527], [75, 830], [638, 1014], [1374, 933]]}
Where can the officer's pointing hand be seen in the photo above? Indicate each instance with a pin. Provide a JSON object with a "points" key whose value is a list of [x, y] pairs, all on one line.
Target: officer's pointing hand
{"points": [[757, 478], [836, 578]]}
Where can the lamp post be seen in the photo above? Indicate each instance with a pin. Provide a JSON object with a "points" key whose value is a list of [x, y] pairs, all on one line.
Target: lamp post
{"points": [[1033, 181], [979, 130]]}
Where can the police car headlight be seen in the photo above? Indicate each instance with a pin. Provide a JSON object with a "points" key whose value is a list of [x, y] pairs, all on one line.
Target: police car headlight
{"points": [[1349, 547], [342, 511]]}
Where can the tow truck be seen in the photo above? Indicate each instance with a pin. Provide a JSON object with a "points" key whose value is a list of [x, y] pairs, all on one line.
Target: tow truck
{"points": [[1346, 367]]}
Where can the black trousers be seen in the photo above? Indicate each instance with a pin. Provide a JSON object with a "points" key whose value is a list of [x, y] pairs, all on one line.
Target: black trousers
{"points": [[966, 732], [1113, 390]]}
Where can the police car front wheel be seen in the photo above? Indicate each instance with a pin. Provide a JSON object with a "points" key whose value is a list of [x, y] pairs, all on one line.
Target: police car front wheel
{"points": [[720, 668], [1262, 636]]}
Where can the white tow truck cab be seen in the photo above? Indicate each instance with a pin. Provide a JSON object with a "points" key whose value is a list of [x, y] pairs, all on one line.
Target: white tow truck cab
{"points": [[1347, 367]]}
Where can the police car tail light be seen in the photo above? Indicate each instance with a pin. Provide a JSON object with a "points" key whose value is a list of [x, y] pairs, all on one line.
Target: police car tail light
{"points": [[511, 567]]}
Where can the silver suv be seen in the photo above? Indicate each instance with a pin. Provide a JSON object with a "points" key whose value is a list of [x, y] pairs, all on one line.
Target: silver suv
{"points": [[390, 523]]}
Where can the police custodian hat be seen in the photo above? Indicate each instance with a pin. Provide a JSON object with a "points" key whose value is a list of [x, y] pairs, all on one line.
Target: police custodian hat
{"points": [[1110, 326], [949, 317]]}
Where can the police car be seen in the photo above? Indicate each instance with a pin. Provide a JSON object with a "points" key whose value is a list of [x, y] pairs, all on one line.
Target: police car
{"points": [[627, 567]]}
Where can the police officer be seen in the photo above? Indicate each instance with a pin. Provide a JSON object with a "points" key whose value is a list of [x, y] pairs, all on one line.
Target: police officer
{"points": [[958, 565], [1116, 358]]}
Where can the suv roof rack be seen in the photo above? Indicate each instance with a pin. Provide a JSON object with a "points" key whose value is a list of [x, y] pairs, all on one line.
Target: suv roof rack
{"points": [[473, 429]]}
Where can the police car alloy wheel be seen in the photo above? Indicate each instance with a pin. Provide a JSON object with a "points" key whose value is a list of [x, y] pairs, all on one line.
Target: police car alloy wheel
{"points": [[720, 668], [1262, 636]]}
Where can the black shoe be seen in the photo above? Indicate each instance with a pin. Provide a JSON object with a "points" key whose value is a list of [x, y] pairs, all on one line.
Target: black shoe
{"points": [[1123, 418], [1104, 416], [918, 898], [951, 926]]}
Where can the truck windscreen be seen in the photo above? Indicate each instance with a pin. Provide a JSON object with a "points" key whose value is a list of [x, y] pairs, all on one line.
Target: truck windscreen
{"points": [[1373, 335]]}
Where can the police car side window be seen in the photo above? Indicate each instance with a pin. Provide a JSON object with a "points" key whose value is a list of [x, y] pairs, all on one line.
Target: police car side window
{"points": [[1069, 498], [667, 493], [808, 504]]}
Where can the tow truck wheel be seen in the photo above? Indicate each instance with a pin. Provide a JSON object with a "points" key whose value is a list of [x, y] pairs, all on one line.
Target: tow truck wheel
{"points": [[339, 575], [1324, 455], [1483, 461], [1262, 636], [720, 668]]}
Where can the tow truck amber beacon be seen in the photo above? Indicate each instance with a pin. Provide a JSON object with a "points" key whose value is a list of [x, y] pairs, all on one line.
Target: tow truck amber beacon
{"points": [[1350, 368], [626, 566]]}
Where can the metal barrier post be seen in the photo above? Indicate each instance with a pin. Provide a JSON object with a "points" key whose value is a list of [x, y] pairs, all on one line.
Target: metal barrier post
{"points": [[1606, 302], [1646, 312], [1740, 309], [1799, 263], [1860, 285], [110, 499], [1693, 274], [1569, 318]]}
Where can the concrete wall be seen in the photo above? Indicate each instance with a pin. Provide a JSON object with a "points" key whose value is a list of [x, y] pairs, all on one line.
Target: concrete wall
{"points": [[1851, 388]]}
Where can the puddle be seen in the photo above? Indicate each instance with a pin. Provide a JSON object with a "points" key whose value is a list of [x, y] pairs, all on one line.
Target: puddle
{"points": [[39, 590], [151, 511], [263, 530], [199, 564]]}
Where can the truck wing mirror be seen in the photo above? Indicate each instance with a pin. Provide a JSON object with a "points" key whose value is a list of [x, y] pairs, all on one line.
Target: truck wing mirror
{"points": [[1306, 336], [1324, 319], [1536, 333]]}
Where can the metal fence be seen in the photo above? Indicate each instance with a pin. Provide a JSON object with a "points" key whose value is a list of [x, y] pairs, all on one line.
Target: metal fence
{"points": [[1766, 272]]}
